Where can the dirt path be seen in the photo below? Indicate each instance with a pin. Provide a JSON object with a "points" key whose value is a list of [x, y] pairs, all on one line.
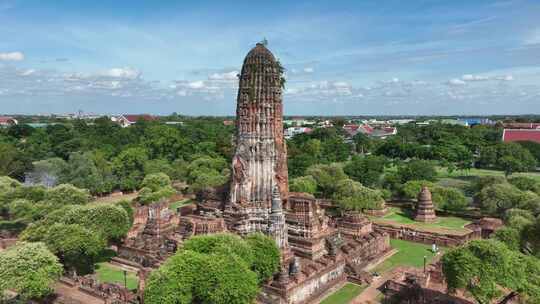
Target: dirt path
{"points": [[74, 293]]}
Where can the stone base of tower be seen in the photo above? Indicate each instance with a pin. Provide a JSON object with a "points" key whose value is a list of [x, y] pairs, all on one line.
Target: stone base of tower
{"points": [[425, 218]]}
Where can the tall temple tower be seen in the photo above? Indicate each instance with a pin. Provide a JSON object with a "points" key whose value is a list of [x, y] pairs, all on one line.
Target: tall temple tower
{"points": [[259, 165]]}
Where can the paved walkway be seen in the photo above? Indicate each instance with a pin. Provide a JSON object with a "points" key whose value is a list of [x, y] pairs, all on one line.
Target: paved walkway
{"points": [[370, 294]]}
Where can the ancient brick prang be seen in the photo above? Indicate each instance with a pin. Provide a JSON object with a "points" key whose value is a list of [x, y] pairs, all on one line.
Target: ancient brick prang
{"points": [[260, 159]]}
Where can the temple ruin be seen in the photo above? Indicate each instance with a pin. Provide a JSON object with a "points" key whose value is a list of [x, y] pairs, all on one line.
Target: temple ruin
{"points": [[318, 252], [425, 210]]}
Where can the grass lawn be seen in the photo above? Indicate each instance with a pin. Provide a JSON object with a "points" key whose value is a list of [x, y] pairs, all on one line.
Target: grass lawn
{"points": [[344, 295], [114, 274], [409, 254], [443, 224], [175, 205], [442, 172]]}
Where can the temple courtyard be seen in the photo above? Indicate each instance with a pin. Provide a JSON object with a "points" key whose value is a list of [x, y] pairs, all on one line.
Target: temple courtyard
{"points": [[405, 254], [403, 217]]}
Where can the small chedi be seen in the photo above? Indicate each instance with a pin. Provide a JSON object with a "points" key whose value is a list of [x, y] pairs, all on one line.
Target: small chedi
{"points": [[425, 210], [318, 253]]}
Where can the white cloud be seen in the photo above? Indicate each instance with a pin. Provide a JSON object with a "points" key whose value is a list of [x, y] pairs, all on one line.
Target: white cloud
{"points": [[196, 84], [232, 75], [126, 73], [505, 77], [13, 56], [309, 70], [28, 72], [456, 82], [470, 77]]}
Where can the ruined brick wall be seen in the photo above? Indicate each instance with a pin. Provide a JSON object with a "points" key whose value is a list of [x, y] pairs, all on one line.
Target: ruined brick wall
{"points": [[409, 234]]}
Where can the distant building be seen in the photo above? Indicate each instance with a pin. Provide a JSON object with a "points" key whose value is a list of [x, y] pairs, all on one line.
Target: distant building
{"points": [[292, 131], [228, 122], [469, 122], [378, 132], [400, 121], [521, 125], [510, 135], [298, 122], [127, 120], [455, 122], [6, 121]]}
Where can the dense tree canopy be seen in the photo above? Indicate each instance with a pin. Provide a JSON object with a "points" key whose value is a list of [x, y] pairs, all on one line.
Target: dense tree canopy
{"points": [[351, 195], [306, 184], [482, 267], [29, 269], [366, 170], [220, 268], [327, 177], [155, 187]]}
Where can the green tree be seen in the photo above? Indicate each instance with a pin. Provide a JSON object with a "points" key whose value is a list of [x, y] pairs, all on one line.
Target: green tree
{"points": [[306, 184], [483, 266], [221, 243], [77, 247], [82, 172], [128, 166], [411, 188], [525, 183], [509, 236], [30, 269], [366, 170], [67, 194], [226, 279], [498, 198], [207, 269], [13, 162], [327, 177], [109, 220], [266, 256], [417, 170], [351, 195], [155, 187], [174, 282]]}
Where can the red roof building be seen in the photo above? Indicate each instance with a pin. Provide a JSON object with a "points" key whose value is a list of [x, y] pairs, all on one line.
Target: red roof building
{"points": [[7, 121], [510, 135], [128, 120], [521, 125]]}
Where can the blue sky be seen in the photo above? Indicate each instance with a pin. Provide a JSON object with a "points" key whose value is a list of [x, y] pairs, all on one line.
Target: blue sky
{"points": [[342, 57]]}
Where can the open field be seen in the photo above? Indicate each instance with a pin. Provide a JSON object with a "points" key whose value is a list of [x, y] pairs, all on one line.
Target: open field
{"points": [[468, 174], [344, 295], [401, 217], [409, 254], [114, 274]]}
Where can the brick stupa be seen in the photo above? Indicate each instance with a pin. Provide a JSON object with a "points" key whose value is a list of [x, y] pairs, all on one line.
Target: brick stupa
{"points": [[425, 211]]}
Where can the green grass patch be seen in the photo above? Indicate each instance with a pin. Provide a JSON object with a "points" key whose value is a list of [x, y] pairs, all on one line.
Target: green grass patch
{"points": [[409, 254], [464, 174], [175, 205], [345, 294], [109, 273], [443, 224]]}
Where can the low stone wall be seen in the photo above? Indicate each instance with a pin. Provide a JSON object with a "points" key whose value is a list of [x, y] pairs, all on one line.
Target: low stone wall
{"points": [[306, 289], [418, 236], [400, 291]]}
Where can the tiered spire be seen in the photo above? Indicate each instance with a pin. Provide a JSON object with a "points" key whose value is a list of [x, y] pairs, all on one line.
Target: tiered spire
{"points": [[425, 210]]}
